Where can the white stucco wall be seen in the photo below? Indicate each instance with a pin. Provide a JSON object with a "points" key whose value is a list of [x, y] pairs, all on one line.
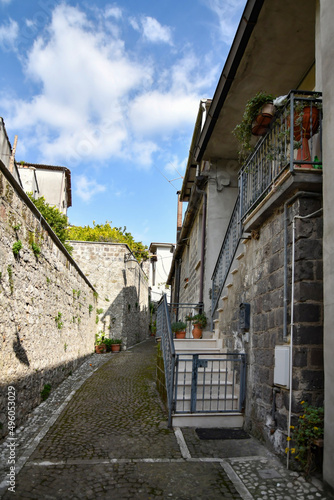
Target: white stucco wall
{"points": [[52, 185], [222, 194], [159, 271]]}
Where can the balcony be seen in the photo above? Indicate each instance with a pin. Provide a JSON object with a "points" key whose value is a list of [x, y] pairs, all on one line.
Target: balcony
{"points": [[285, 159], [283, 149]]}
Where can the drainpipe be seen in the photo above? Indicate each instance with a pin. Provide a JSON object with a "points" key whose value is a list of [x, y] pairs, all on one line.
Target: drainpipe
{"points": [[292, 313], [201, 280], [177, 286]]}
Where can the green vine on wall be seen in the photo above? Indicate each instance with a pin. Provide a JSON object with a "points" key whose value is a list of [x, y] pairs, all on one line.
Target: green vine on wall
{"points": [[17, 246], [10, 277], [59, 323]]}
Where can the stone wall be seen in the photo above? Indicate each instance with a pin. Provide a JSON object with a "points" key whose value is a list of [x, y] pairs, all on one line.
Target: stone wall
{"points": [[191, 268], [46, 326], [259, 281], [122, 309]]}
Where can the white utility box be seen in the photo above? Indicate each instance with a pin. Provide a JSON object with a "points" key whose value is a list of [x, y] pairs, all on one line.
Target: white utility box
{"points": [[282, 366]]}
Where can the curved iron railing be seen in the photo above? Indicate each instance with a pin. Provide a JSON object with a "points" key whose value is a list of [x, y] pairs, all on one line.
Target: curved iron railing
{"points": [[226, 255]]}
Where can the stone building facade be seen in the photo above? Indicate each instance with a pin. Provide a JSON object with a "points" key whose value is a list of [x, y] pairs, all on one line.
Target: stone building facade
{"points": [[122, 309], [257, 278], [46, 326]]}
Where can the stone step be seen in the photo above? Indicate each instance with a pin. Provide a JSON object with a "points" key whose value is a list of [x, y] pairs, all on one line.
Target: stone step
{"points": [[208, 420], [195, 344]]}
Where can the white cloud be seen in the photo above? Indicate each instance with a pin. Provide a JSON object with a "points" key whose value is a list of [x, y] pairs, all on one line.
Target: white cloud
{"points": [[228, 12], [86, 189], [161, 113], [153, 31], [95, 100], [115, 12], [8, 35]]}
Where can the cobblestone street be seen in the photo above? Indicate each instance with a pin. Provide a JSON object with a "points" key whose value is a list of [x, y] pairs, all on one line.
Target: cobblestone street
{"points": [[103, 434]]}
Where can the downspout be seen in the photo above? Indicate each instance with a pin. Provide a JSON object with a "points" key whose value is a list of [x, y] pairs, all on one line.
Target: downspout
{"points": [[297, 195], [201, 280], [177, 286]]}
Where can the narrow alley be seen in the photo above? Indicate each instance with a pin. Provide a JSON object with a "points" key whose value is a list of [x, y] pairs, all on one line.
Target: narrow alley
{"points": [[103, 434]]}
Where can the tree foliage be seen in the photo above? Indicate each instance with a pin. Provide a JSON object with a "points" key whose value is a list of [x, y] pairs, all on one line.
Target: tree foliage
{"points": [[105, 232], [56, 219]]}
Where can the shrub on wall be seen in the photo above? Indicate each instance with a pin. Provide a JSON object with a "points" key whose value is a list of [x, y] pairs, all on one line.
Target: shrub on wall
{"points": [[56, 220], [106, 233]]}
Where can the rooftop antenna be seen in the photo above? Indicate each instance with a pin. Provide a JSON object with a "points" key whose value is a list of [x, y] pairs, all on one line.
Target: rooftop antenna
{"points": [[172, 180]]}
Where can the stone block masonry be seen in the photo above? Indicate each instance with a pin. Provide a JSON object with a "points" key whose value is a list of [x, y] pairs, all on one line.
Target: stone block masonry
{"points": [[260, 282], [122, 309], [46, 325]]}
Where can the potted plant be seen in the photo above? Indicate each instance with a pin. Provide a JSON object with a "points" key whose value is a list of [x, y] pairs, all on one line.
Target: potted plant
{"points": [[100, 346], [179, 328], [108, 344], [257, 116], [199, 321], [116, 345]]}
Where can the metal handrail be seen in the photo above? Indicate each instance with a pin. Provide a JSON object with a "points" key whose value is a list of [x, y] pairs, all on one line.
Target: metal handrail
{"points": [[226, 255], [164, 331]]}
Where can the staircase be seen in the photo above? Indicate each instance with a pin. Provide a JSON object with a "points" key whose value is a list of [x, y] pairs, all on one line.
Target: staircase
{"points": [[207, 385]]}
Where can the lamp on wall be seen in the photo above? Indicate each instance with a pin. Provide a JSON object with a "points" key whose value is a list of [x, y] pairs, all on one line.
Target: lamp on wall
{"points": [[130, 261]]}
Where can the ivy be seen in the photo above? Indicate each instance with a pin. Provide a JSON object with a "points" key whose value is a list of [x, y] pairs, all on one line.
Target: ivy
{"points": [[17, 247], [56, 220]]}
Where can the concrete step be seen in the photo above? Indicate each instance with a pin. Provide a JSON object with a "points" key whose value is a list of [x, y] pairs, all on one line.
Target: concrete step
{"points": [[196, 345], [208, 420]]}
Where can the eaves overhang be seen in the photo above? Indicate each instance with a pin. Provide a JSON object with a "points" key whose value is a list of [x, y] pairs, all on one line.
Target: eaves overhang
{"points": [[273, 50], [191, 169]]}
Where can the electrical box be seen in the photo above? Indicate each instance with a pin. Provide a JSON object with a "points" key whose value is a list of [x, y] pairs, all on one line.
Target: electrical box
{"points": [[244, 317], [282, 366]]}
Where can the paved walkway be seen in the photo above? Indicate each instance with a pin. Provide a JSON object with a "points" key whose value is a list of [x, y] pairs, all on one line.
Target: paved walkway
{"points": [[103, 434]]}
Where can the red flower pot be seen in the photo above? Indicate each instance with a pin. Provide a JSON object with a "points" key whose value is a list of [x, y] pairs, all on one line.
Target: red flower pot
{"points": [[115, 347], [197, 331], [309, 125]]}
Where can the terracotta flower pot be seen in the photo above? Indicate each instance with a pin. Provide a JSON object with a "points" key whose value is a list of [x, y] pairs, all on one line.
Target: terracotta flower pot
{"points": [[180, 335], [308, 125], [115, 347], [263, 119], [197, 331], [100, 349]]}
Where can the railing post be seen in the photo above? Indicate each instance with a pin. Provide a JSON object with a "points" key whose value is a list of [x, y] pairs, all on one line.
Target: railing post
{"points": [[194, 376], [292, 131]]}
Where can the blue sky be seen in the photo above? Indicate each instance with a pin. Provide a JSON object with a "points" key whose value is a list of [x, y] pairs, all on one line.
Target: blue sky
{"points": [[111, 90]]}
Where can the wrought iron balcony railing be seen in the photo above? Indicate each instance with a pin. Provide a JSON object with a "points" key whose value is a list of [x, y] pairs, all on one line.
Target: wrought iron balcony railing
{"points": [[283, 147]]}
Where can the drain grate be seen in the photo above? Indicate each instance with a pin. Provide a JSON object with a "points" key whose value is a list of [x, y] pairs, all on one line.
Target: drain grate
{"points": [[219, 433]]}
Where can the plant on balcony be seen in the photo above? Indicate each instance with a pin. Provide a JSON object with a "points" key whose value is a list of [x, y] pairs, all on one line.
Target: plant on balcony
{"points": [[179, 328], [243, 131]]}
